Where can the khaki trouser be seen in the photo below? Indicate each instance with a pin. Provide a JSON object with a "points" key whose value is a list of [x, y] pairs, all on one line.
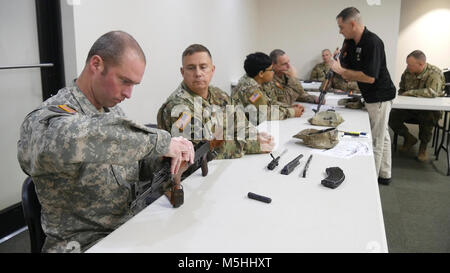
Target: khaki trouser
{"points": [[381, 141]]}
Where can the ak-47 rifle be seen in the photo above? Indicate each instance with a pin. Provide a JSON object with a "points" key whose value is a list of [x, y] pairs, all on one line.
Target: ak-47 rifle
{"points": [[163, 182]]}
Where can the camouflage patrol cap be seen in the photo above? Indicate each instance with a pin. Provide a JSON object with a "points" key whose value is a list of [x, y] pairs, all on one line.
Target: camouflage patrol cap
{"points": [[320, 139], [326, 118], [352, 103]]}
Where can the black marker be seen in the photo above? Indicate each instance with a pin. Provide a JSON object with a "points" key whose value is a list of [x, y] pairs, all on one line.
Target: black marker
{"points": [[261, 198]]}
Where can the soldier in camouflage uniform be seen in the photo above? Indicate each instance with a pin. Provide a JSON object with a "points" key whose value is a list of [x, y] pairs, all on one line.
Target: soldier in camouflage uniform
{"points": [[200, 111], [83, 154], [250, 91], [320, 70], [338, 84], [420, 79], [285, 87]]}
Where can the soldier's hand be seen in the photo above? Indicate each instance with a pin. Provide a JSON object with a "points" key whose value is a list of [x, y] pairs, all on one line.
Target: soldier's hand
{"points": [[299, 109], [292, 72], [266, 142], [335, 65], [180, 149]]}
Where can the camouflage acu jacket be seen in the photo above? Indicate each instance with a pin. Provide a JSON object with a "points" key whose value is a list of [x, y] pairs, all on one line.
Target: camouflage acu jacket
{"points": [[319, 72], [249, 93], [339, 83], [287, 90], [429, 84], [83, 163], [188, 114]]}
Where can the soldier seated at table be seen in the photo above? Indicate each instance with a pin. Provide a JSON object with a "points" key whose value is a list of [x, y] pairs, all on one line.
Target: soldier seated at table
{"points": [[338, 84], [321, 69], [285, 87], [85, 156], [420, 79], [249, 91], [198, 111]]}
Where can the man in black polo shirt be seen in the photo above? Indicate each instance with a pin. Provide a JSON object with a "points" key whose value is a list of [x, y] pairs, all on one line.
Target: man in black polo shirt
{"points": [[363, 60]]}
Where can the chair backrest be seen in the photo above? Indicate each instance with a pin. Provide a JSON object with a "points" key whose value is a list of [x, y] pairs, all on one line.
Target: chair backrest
{"points": [[447, 81], [32, 213]]}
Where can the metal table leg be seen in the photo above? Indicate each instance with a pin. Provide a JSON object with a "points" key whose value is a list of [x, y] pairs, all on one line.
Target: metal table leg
{"points": [[445, 134], [441, 145]]}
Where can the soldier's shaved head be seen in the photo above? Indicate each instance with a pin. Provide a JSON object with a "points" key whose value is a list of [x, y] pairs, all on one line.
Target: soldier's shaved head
{"points": [[416, 61], [418, 55], [195, 48], [112, 45]]}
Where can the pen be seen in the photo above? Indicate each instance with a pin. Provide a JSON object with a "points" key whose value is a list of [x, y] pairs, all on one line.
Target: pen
{"points": [[306, 166], [355, 133]]}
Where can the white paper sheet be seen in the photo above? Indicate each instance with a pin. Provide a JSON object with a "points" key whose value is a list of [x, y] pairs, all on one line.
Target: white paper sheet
{"points": [[348, 149]]}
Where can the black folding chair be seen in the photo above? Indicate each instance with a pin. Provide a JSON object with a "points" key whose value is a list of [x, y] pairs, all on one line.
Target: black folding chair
{"points": [[32, 213]]}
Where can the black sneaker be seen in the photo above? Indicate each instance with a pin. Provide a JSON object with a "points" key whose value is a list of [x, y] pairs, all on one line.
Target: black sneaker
{"points": [[384, 181]]}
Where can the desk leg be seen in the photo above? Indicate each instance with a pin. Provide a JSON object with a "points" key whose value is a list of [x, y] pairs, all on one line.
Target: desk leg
{"points": [[436, 132], [444, 134], [447, 132]]}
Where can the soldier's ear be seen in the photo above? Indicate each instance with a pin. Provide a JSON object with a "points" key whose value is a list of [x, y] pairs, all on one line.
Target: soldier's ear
{"points": [[261, 74], [182, 71], [96, 63]]}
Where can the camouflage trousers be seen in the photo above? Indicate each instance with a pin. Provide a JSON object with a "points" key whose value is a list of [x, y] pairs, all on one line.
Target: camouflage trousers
{"points": [[426, 120]]}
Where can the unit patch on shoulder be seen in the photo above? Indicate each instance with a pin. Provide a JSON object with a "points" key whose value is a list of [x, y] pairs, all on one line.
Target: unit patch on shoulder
{"points": [[256, 95], [183, 121]]}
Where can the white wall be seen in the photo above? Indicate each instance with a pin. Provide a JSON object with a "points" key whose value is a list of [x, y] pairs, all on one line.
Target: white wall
{"points": [[68, 34], [20, 88], [230, 29], [303, 28], [424, 25], [164, 29]]}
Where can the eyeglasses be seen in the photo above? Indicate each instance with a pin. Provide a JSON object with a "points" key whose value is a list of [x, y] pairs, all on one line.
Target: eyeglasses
{"points": [[268, 70]]}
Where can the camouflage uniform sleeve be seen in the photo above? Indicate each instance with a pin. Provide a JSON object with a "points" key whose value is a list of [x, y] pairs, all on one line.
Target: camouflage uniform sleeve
{"points": [[252, 146], [317, 74], [285, 111], [339, 83], [238, 144], [402, 84], [254, 96], [303, 96], [56, 139], [434, 87]]}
